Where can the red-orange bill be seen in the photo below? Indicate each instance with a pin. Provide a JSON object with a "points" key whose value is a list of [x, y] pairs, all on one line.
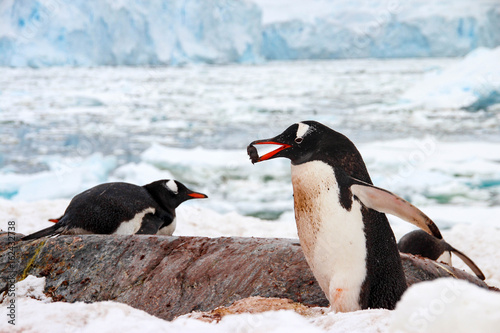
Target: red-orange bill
{"points": [[197, 195], [254, 154]]}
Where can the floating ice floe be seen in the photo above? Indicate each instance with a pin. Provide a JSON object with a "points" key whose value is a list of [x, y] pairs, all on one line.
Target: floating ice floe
{"points": [[65, 178]]}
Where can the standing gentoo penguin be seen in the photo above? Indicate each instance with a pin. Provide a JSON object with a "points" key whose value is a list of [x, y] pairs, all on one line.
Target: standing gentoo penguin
{"points": [[122, 208], [420, 243], [340, 218]]}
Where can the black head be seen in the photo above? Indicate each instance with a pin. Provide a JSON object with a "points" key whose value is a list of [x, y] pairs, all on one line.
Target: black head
{"points": [[309, 141], [419, 242], [170, 193]]}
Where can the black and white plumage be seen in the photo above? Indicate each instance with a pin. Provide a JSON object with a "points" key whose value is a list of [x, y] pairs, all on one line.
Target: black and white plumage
{"points": [[344, 233], [420, 243], [122, 208]]}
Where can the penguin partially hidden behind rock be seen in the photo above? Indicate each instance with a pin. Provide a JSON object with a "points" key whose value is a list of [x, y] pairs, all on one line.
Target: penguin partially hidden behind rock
{"points": [[122, 208], [421, 243], [343, 231]]}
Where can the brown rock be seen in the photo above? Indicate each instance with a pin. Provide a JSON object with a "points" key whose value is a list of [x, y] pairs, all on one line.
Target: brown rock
{"points": [[257, 304], [171, 276]]}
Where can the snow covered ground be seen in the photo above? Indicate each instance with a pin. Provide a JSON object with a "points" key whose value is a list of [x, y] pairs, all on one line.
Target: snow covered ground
{"points": [[438, 306], [40, 33]]}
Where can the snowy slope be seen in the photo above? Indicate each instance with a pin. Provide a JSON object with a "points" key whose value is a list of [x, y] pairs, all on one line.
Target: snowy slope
{"points": [[88, 33]]}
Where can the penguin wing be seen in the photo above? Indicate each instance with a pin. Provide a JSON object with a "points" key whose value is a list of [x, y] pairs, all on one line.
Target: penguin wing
{"points": [[468, 261], [150, 225], [50, 231], [384, 201]]}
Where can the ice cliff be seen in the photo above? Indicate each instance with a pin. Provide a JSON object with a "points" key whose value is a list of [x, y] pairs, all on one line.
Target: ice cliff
{"points": [[91, 33], [108, 32]]}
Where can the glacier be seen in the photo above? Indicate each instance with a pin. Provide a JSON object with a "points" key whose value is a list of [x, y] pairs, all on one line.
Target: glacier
{"points": [[386, 29], [39, 33]]}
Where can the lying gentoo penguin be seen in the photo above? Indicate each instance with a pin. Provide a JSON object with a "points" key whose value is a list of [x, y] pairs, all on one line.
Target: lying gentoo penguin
{"points": [[340, 218], [122, 208], [420, 243]]}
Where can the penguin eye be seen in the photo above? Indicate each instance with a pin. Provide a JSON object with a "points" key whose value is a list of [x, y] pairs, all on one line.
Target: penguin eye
{"points": [[298, 140]]}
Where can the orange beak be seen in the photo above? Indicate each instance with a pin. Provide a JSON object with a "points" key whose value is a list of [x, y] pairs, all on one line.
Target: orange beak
{"points": [[267, 156], [196, 195]]}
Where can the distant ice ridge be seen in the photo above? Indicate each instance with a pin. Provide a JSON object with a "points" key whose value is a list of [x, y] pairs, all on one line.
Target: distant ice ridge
{"points": [[473, 83], [326, 29], [41, 33]]}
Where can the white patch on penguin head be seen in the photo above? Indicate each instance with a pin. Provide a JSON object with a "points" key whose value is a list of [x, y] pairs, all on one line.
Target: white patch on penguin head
{"points": [[302, 130], [172, 186]]}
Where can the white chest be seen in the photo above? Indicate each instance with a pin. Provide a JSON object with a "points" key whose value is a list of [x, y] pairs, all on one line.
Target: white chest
{"points": [[169, 229], [130, 227], [331, 237]]}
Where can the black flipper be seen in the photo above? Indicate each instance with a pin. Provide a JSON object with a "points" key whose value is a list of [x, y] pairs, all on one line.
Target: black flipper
{"points": [[150, 225], [467, 261], [55, 229]]}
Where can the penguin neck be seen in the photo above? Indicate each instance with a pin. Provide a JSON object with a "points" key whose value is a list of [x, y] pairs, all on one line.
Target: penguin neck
{"points": [[346, 158], [151, 189]]}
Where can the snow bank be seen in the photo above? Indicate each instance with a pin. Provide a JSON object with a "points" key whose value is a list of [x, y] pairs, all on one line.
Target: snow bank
{"points": [[441, 305], [35, 313], [447, 305], [89, 33], [45, 316], [473, 83]]}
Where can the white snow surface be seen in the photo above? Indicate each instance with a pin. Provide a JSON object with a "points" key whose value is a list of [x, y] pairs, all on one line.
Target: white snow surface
{"points": [[41, 33], [447, 305]]}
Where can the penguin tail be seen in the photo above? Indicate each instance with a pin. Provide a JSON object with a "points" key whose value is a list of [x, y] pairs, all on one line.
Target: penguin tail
{"points": [[50, 231]]}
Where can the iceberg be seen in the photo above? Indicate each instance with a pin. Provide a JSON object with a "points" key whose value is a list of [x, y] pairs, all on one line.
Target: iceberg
{"points": [[472, 83], [40, 33]]}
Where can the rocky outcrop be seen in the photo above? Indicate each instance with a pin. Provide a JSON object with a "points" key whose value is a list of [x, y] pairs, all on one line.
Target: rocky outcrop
{"points": [[171, 276]]}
